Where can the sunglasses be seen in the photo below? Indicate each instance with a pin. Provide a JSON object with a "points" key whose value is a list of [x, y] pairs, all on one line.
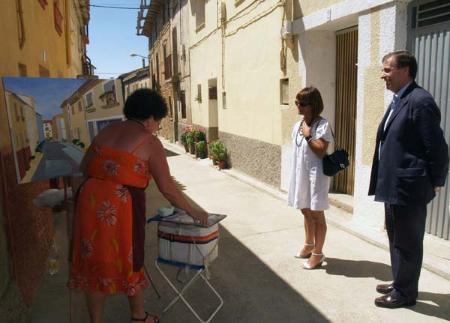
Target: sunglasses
{"points": [[302, 103]]}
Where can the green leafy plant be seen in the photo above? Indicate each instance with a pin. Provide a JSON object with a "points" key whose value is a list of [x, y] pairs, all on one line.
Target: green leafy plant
{"points": [[218, 151], [190, 141], [200, 149], [199, 136], [183, 139]]}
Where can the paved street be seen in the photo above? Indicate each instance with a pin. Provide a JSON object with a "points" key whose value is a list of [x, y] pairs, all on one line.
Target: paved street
{"points": [[256, 272], [59, 159]]}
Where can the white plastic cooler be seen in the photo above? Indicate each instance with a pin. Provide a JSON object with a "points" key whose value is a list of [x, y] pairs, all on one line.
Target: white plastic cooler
{"points": [[188, 244]]}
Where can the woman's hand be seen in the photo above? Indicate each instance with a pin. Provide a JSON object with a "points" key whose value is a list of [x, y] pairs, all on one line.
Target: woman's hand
{"points": [[199, 216], [306, 130]]}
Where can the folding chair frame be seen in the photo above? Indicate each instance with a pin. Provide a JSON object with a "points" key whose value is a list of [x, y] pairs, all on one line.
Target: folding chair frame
{"points": [[199, 274]]}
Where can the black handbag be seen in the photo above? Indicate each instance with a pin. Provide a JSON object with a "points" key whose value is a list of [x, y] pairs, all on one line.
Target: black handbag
{"points": [[336, 161]]}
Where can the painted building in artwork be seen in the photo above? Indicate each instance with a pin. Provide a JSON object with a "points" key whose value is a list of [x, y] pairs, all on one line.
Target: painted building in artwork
{"points": [[23, 128]]}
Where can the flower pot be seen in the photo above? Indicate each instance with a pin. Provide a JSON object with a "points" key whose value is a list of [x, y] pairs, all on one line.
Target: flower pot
{"points": [[222, 164], [192, 148], [186, 147]]}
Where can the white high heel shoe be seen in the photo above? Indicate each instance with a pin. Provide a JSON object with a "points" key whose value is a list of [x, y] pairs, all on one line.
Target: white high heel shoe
{"points": [[300, 256], [307, 266]]}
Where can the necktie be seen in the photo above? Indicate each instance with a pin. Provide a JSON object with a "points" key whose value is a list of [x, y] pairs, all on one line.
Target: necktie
{"points": [[391, 109]]}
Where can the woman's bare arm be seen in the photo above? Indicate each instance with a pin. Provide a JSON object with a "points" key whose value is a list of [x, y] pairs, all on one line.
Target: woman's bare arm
{"points": [[87, 158], [318, 146], [161, 173]]}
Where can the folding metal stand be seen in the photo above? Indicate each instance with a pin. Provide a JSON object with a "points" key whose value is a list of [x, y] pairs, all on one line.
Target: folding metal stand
{"points": [[200, 273]]}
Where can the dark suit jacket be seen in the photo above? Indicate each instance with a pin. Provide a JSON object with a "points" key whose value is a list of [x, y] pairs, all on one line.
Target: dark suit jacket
{"points": [[414, 154]]}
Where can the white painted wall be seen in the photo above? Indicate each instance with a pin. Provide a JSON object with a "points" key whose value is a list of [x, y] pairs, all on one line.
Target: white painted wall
{"points": [[252, 79]]}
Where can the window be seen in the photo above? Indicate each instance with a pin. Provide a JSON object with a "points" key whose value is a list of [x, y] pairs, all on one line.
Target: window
{"points": [[109, 86], [212, 93], [80, 107], [157, 69], [89, 101], [183, 104], [167, 64], [284, 91], [200, 15], [22, 69], [109, 96]]}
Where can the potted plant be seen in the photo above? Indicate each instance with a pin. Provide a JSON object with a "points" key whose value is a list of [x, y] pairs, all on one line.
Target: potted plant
{"points": [[200, 149], [199, 136], [219, 153], [183, 139], [190, 141]]}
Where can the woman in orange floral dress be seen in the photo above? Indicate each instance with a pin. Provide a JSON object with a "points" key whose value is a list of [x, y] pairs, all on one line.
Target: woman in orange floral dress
{"points": [[109, 223]]}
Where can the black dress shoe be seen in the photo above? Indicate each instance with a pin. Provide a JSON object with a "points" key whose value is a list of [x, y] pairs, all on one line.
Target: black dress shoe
{"points": [[394, 300], [385, 288]]}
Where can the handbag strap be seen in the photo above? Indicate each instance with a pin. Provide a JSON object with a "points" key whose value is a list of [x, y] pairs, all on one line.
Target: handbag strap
{"points": [[336, 147]]}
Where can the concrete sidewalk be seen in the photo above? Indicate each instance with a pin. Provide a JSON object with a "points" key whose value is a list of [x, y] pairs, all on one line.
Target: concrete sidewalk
{"points": [[256, 272]]}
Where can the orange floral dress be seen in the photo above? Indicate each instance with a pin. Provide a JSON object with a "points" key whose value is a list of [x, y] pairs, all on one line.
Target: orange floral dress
{"points": [[103, 237]]}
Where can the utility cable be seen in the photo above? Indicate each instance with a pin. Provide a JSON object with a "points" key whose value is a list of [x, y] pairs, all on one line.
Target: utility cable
{"points": [[113, 7]]}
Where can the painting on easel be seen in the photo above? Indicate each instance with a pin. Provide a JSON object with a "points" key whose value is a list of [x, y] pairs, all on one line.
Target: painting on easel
{"points": [[52, 122]]}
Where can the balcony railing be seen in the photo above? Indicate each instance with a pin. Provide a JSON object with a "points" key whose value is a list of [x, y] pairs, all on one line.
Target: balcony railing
{"points": [[88, 68]]}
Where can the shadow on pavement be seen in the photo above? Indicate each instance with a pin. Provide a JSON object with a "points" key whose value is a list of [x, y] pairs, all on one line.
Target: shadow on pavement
{"points": [[358, 268], [252, 292], [170, 153], [439, 307]]}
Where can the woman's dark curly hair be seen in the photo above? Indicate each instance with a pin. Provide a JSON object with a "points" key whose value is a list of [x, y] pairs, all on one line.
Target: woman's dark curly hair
{"points": [[145, 103]]}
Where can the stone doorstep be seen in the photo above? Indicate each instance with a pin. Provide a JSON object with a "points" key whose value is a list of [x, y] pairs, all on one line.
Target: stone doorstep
{"points": [[437, 251]]}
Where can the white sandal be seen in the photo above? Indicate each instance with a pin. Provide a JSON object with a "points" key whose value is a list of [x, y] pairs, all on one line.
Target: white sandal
{"points": [[307, 266], [300, 256]]}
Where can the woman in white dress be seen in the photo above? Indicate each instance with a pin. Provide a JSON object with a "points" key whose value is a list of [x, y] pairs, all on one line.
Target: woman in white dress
{"points": [[308, 190]]}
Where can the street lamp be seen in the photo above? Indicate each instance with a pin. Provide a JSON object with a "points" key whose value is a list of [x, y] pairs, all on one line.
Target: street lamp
{"points": [[143, 58]]}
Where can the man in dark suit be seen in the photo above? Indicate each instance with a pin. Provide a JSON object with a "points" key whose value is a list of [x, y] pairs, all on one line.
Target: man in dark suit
{"points": [[410, 164]]}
